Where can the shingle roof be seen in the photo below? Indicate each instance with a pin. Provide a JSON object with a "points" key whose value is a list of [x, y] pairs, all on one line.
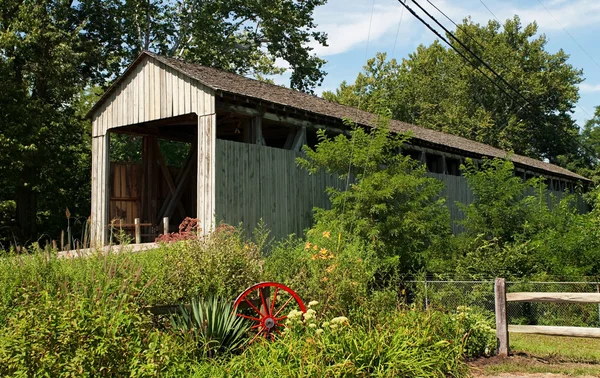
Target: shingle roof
{"points": [[239, 85]]}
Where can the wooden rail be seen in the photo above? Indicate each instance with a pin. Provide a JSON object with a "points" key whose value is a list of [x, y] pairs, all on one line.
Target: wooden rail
{"points": [[503, 329]]}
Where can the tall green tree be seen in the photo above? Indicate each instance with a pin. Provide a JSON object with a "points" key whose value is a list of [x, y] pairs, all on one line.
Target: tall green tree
{"points": [[435, 88], [584, 158]]}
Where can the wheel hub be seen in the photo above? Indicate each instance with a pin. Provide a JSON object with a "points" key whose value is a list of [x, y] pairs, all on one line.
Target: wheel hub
{"points": [[269, 323]]}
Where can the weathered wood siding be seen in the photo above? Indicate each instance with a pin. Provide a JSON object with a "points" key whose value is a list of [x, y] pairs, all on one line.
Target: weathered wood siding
{"points": [[256, 182], [125, 195], [457, 190], [152, 91]]}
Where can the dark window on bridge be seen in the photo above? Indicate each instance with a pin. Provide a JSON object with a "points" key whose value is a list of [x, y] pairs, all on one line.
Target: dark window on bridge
{"points": [[453, 166], [435, 163]]}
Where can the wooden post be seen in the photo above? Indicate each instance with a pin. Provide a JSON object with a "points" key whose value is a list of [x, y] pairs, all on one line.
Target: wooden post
{"points": [[62, 240], [501, 321], [166, 225], [138, 235]]}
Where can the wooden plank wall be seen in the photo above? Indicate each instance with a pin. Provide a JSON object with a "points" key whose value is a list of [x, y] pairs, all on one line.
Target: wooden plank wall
{"points": [[125, 192], [151, 91], [254, 182], [457, 190]]}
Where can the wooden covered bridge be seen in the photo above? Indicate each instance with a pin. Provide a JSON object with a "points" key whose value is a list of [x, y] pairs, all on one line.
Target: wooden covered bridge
{"points": [[244, 136]]}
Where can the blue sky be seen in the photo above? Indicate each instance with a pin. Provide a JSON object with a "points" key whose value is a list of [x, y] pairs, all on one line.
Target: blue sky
{"points": [[347, 24]]}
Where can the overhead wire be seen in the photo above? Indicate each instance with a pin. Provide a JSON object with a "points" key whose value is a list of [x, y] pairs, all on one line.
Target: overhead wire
{"points": [[489, 10], [569, 34], [527, 102], [481, 45], [397, 33]]}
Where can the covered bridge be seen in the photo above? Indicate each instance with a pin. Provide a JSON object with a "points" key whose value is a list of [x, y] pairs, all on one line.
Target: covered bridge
{"points": [[244, 136]]}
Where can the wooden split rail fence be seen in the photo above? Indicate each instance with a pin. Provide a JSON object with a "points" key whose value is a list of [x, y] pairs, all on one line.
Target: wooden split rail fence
{"points": [[503, 329]]}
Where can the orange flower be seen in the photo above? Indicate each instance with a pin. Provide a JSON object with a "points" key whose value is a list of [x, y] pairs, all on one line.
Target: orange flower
{"points": [[314, 257], [331, 268], [327, 234], [324, 279], [316, 247], [323, 251], [307, 245]]}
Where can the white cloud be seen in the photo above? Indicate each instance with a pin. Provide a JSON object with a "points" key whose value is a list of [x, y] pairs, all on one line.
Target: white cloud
{"points": [[589, 88], [347, 24]]}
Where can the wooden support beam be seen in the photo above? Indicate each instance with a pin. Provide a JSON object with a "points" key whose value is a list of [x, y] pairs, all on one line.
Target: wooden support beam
{"points": [[556, 330], [181, 176], [138, 231], [293, 121], [169, 180], [299, 140], [554, 297], [501, 319], [289, 141], [165, 225], [256, 130]]}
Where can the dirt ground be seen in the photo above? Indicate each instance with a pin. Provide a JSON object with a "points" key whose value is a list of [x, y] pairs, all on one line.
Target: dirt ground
{"points": [[529, 367]]}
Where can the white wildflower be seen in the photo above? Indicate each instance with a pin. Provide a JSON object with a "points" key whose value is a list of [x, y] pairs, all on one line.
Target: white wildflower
{"points": [[312, 303]]}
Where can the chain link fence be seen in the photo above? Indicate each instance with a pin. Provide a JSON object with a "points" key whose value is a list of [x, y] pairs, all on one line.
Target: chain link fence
{"points": [[448, 295]]}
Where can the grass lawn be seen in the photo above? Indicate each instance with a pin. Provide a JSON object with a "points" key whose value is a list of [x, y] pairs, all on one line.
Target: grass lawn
{"points": [[540, 354], [556, 348]]}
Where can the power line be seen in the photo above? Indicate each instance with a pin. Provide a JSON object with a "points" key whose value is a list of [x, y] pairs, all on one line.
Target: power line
{"points": [[489, 10], [481, 45], [397, 32], [471, 62], [569, 34], [471, 52]]}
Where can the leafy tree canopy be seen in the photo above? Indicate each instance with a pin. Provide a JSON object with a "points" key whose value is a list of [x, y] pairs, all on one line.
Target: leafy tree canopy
{"points": [[435, 88]]}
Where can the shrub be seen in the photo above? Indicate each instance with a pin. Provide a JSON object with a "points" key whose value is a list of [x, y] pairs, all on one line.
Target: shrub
{"points": [[476, 329], [68, 333], [221, 264], [408, 344], [212, 325], [391, 205], [323, 267]]}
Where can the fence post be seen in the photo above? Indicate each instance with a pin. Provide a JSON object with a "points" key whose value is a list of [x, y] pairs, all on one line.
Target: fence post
{"points": [[166, 225], [138, 235], [501, 321]]}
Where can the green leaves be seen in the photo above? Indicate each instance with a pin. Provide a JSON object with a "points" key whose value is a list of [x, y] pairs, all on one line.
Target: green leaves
{"points": [[390, 204], [435, 88]]}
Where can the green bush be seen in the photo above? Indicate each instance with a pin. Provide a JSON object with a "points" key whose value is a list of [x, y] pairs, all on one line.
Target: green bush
{"points": [[72, 334], [408, 344], [222, 264], [324, 268]]}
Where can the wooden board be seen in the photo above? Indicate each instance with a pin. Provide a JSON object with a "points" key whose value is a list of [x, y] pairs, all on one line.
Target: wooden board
{"points": [[556, 330], [554, 297]]}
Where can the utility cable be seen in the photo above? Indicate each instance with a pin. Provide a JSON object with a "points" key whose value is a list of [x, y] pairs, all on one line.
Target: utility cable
{"points": [[569, 34]]}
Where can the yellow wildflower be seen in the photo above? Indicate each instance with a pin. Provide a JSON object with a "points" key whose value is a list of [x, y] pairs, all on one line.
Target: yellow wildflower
{"points": [[316, 247], [327, 234], [323, 251]]}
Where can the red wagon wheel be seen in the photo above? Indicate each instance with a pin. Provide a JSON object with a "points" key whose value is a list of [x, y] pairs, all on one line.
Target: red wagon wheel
{"points": [[267, 305]]}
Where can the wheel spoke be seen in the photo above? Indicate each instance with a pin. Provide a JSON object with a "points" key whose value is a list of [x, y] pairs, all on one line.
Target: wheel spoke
{"points": [[282, 307], [280, 318], [253, 306], [264, 303], [255, 326], [249, 317], [255, 336], [274, 299]]}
